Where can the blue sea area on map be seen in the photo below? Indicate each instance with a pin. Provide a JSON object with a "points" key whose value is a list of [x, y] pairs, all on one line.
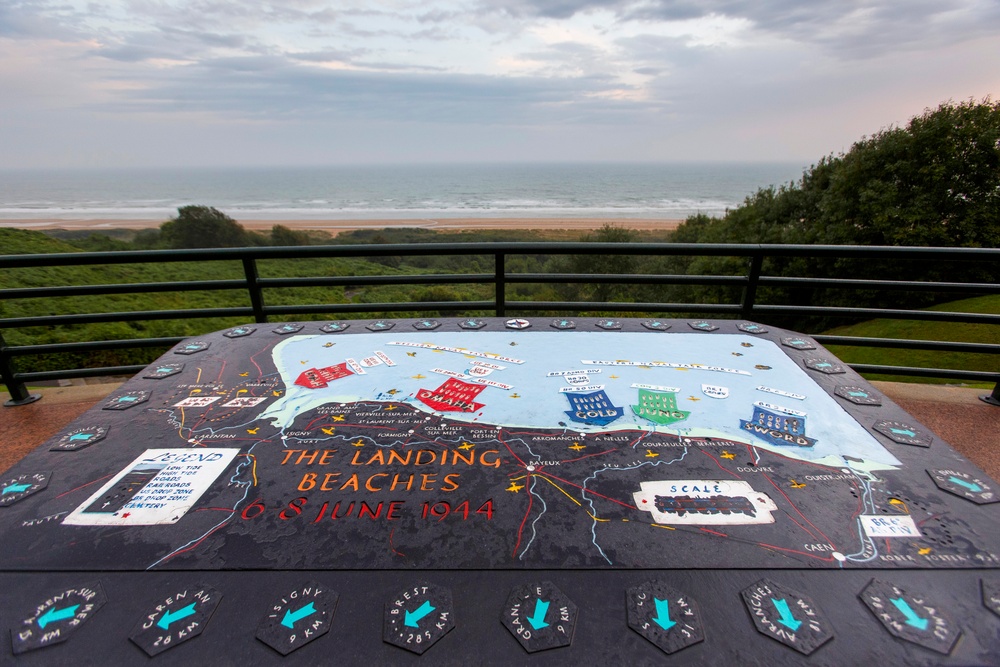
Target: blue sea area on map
{"points": [[535, 365]]}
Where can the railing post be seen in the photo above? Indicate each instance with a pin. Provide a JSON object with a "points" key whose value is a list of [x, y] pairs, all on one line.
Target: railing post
{"points": [[500, 285], [750, 291], [19, 394], [253, 286], [993, 398]]}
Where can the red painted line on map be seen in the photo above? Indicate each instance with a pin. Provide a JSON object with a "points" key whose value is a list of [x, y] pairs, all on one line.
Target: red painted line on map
{"points": [[566, 481], [218, 378], [84, 486], [589, 456], [520, 530], [778, 488], [827, 559], [510, 450], [720, 465], [713, 532], [391, 547]]}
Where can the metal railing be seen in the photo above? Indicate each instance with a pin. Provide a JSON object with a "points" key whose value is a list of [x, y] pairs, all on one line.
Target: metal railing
{"points": [[748, 284]]}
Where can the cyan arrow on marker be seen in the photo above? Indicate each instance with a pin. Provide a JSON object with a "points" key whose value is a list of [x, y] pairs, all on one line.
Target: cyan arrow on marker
{"points": [[169, 617], [662, 617], [52, 615], [912, 618], [785, 615], [537, 620], [903, 431], [80, 436], [15, 488], [971, 486], [291, 617], [411, 619]]}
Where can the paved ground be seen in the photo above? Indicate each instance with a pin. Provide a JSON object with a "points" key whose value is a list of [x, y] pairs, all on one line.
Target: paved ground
{"points": [[955, 414]]}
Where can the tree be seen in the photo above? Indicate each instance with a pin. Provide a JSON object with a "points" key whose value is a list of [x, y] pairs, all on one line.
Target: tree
{"points": [[203, 227]]}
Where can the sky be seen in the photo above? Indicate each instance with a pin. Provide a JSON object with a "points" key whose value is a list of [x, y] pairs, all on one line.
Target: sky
{"points": [[314, 82]]}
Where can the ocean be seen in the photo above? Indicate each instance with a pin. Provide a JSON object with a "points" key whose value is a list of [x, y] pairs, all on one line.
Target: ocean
{"points": [[665, 191]]}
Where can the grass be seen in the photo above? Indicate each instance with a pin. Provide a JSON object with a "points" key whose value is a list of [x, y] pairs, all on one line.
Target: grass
{"points": [[920, 330]]}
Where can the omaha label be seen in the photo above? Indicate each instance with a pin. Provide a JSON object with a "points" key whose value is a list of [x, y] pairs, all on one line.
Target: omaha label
{"points": [[297, 618], [786, 616], [418, 617], [180, 616], [55, 618]]}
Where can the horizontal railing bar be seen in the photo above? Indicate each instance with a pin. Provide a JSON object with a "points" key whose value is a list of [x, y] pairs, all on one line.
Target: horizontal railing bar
{"points": [[42, 376], [364, 281], [900, 343], [88, 346], [492, 248], [851, 283], [320, 308], [130, 316], [625, 279], [122, 288], [943, 373], [589, 306], [881, 313]]}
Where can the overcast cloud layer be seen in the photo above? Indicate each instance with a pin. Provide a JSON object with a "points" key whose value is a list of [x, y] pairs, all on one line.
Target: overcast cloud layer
{"points": [[219, 82]]}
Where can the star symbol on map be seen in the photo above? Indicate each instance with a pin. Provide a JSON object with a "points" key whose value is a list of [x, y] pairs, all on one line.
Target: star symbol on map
{"points": [[693, 398], [358, 443], [390, 407], [411, 354], [329, 344], [797, 485], [466, 445], [418, 376], [613, 377], [576, 446], [515, 395], [338, 418], [514, 487], [650, 454], [728, 455], [329, 430], [243, 375], [392, 392], [253, 431], [126, 515]]}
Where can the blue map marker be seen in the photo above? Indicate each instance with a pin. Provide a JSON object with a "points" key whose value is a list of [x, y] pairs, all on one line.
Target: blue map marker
{"points": [[785, 616], [13, 489], [412, 618], [964, 485], [662, 617], [53, 615], [169, 617], [912, 617], [16, 488], [292, 617], [537, 620]]}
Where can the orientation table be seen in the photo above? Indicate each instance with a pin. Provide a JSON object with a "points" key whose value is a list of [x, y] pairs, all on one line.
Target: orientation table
{"points": [[498, 491]]}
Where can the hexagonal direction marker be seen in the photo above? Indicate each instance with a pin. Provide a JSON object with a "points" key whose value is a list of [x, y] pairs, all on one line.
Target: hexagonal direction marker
{"points": [[79, 438], [786, 616], [160, 371], [54, 619], [176, 618], [964, 485], [126, 400], [910, 616], [380, 325], [903, 433], [751, 328], [471, 323], [609, 325], [418, 617], [858, 395], [824, 366], [239, 332], [991, 595], [562, 324], [702, 325], [664, 616], [798, 343], [298, 617], [540, 616], [288, 328], [192, 347], [19, 487], [335, 327], [655, 325], [426, 325]]}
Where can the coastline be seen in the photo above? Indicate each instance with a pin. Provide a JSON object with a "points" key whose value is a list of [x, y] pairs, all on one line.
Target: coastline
{"points": [[334, 226]]}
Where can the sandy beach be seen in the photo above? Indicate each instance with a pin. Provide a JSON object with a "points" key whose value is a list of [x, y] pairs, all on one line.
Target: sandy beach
{"points": [[336, 226]]}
